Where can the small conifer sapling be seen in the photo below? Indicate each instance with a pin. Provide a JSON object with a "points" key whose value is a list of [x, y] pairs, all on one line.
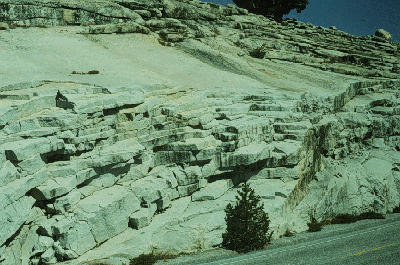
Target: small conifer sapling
{"points": [[247, 223]]}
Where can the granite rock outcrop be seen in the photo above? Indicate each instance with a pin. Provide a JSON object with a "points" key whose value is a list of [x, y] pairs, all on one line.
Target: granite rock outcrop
{"points": [[118, 161]]}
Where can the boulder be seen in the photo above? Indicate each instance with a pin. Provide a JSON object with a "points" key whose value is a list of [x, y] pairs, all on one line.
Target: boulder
{"points": [[149, 189], [142, 217], [67, 202], [32, 164], [119, 28], [43, 243], [107, 211], [4, 26], [384, 34], [16, 189], [13, 216], [55, 187], [212, 190], [91, 103], [8, 173], [354, 189], [24, 149], [247, 155], [78, 238]]}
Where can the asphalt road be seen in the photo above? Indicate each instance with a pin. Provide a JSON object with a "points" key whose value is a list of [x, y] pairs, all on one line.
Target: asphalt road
{"points": [[363, 242]]}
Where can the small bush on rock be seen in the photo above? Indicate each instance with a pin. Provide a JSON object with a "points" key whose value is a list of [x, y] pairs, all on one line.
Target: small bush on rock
{"points": [[370, 215], [152, 258], [247, 223], [344, 218], [396, 209], [288, 233], [144, 260], [258, 52], [314, 226]]}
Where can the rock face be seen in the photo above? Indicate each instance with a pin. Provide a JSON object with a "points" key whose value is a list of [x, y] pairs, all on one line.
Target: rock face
{"points": [[146, 152]]}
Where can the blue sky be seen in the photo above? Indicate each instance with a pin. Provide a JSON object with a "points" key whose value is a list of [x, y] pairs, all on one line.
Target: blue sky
{"points": [[356, 17]]}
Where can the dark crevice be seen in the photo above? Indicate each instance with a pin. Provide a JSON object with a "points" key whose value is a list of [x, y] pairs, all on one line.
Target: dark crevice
{"points": [[86, 182], [196, 126], [55, 157], [129, 116], [12, 238], [108, 112], [97, 141], [158, 148], [78, 153], [240, 173], [41, 204], [182, 165], [116, 169], [222, 118], [113, 111], [90, 115], [199, 163], [158, 126], [195, 152]]}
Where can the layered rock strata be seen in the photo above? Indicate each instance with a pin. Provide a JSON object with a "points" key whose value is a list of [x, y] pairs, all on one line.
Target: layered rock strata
{"points": [[90, 171]]}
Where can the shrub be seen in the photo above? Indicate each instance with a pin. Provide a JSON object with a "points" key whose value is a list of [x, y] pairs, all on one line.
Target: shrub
{"points": [[200, 233], [92, 72], [288, 233], [396, 209], [344, 218], [269, 8], [247, 223], [258, 52], [314, 226], [326, 222], [143, 259], [370, 215], [149, 259]]}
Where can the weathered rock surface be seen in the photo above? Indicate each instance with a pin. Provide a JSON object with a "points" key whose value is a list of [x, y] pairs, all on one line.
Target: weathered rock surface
{"points": [[127, 126]]}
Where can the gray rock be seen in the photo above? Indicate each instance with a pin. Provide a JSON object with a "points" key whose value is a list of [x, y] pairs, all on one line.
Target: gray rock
{"points": [[19, 187], [142, 217], [149, 189], [43, 243], [78, 239], [66, 254], [107, 211], [53, 188], [4, 26], [22, 150], [46, 226], [213, 190], [97, 102], [8, 173], [187, 190], [13, 216], [119, 28], [20, 251], [32, 164], [384, 34], [307, 121]]}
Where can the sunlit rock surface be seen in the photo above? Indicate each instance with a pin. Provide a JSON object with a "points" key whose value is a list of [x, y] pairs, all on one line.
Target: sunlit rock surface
{"points": [[127, 126]]}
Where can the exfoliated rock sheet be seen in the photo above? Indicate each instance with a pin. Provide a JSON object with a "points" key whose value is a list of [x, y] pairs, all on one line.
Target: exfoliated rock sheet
{"points": [[127, 127]]}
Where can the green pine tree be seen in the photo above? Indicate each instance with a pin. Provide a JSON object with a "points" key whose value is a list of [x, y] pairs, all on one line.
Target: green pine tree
{"points": [[247, 223]]}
